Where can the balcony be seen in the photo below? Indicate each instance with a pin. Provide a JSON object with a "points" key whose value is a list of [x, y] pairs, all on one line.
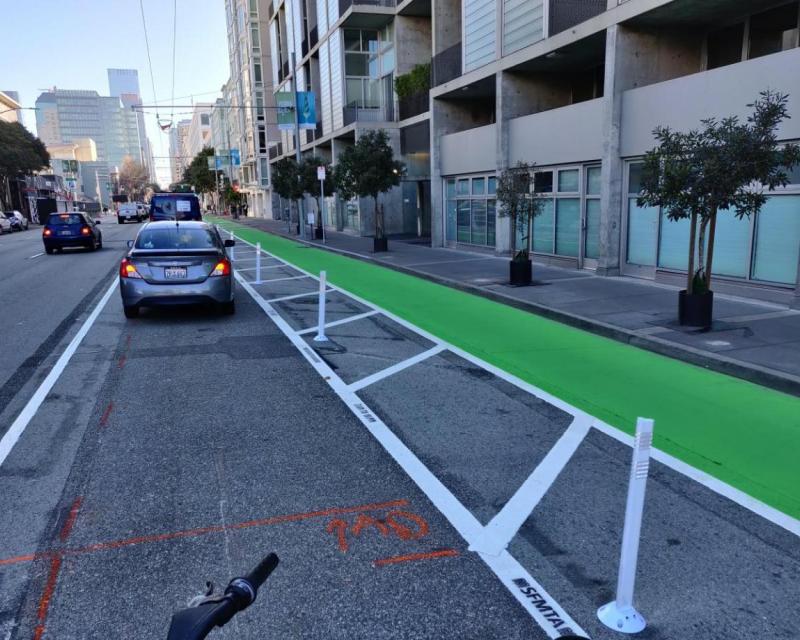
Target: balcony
{"points": [[367, 114], [413, 105], [275, 151], [344, 5], [447, 65], [567, 13]]}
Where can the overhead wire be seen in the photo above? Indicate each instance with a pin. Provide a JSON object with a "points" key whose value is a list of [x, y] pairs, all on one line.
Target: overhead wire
{"points": [[147, 45], [174, 46]]}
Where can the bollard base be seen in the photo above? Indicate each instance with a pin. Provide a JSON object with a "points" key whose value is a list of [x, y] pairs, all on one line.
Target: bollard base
{"points": [[320, 337], [624, 619]]}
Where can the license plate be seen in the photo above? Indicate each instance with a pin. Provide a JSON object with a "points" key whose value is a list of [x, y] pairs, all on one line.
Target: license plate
{"points": [[65, 233], [175, 273]]}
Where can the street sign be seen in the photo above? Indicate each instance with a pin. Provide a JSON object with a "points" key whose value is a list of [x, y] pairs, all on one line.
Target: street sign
{"points": [[212, 164], [235, 160], [285, 103], [321, 172], [306, 110], [71, 184]]}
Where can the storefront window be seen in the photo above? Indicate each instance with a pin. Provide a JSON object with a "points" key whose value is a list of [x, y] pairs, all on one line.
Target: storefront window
{"points": [[568, 181], [642, 234], [470, 212], [777, 240], [543, 229], [592, 242], [568, 220]]}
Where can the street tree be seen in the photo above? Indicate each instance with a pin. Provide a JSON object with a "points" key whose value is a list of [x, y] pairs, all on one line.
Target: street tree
{"points": [[198, 175], [518, 201], [726, 165], [286, 180], [21, 153], [133, 179], [310, 183], [368, 169]]}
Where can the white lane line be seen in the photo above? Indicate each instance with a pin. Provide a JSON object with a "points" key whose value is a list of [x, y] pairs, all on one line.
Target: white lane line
{"points": [[271, 266], [545, 611], [504, 526], [395, 368], [18, 426], [35, 255], [278, 280], [297, 295], [336, 323], [717, 486]]}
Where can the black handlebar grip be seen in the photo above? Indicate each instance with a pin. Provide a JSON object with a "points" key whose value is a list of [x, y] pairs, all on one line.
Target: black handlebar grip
{"points": [[258, 575]]}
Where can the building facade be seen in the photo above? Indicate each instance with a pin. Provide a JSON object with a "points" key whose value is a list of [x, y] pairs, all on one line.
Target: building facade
{"points": [[124, 84], [252, 120], [199, 134], [10, 108], [179, 157]]}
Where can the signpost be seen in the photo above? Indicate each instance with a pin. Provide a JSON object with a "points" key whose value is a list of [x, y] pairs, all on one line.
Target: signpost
{"points": [[321, 178]]}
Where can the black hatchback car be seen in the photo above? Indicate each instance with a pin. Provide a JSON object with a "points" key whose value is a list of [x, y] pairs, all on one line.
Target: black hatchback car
{"points": [[71, 229]]}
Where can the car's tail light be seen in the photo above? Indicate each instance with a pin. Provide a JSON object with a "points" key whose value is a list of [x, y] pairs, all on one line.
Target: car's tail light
{"points": [[222, 268], [85, 231], [127, 270], [47, 232]]}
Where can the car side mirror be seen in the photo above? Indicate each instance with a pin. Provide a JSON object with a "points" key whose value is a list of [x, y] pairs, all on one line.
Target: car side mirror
{"points": [[130, 244], [230, 242], [97, 221]]}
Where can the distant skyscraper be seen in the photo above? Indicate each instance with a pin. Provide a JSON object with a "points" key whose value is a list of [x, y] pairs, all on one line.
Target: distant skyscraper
{"points": [[124, 84], [14, 95]]}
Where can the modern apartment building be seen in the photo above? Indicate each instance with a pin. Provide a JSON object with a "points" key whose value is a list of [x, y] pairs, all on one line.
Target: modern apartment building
{"points": [[124, 84], [66, 116], [199, 134], [249, 100], [179, 156], [349, 53]]}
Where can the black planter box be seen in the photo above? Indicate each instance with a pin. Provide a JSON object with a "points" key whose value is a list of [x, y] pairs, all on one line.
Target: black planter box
{"points": [[298, 229], [380, 244], [318, 233], [696, 310], [520, 272]]}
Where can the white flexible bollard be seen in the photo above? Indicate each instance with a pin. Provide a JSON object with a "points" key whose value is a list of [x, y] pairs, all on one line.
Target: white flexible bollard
{"points": [[321, 337], [232, 238], [620, 615], [258, 263]]}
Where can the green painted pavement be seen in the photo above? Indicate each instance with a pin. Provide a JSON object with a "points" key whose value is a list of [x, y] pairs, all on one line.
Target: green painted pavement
{"points": [[742, 433]]}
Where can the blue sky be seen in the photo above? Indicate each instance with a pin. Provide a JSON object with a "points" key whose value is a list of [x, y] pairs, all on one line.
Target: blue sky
{"points": [[70, 44]]}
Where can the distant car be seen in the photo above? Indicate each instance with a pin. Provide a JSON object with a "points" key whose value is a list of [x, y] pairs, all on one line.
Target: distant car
{"points": [[71, 230], [130, 212], [176, 262], [175, 206], [23, 220], [5, 225], [16, 222]]}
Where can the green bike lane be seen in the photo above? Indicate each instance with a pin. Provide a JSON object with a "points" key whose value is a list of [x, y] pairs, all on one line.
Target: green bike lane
{"points": [[738, 432]]}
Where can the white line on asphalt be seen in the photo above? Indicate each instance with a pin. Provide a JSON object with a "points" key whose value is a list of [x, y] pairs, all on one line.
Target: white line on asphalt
{"points": [[504, 526], [335, 323], [18, 426], [395, 368], [35, 255], [297, 295], [279, 280], [717, 486], [272, 266], [548, 615]]}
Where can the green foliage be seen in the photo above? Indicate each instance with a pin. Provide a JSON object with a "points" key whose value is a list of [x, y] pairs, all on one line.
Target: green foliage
{"points": [[308, 176], [286, 179], [198, 175], [519, 202], [367, 169], [21, 152], [415, 81], [725, 165], [133, 178]]}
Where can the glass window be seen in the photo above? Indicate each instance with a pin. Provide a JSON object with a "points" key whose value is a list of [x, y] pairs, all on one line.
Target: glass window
{"points": [[774, 30], [451, 188], [387, 61], [463, 187], [592, 239], [493, 182], [355, 64], [478, 186], [451, 219], [725, 46], [635, 177], [568, 181], [353, 92], [673, 251], [593, 181], [352, 40], [777, 241], [257, 72], [731, 238], [568, 219], [491, 222], [463, 222], [794, 174], [374, 68], [543, 182], [642, 225], [479, 221], [370, 40], [543, 229]]}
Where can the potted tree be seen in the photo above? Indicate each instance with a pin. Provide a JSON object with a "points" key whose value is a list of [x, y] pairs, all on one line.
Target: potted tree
{"points": [[368, 169], [286, 182], [310, 185], [518, 202], [723, 166]]}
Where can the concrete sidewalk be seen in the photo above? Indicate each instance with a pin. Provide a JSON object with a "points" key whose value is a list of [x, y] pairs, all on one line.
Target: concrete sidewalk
{"points": [[756, 341]]}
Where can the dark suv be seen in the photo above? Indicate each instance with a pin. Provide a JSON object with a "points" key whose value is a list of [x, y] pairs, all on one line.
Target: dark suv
{"points": [[175, 206], [71, 229]]}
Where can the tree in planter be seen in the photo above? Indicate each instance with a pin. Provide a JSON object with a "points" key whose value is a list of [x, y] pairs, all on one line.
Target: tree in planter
{"points": [[310, 183], [724, 165], [368, 169], [286, 181], [517, 200]]}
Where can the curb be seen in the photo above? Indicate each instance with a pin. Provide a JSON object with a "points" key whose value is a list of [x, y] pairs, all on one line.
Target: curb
{"points": [[785, 383]]}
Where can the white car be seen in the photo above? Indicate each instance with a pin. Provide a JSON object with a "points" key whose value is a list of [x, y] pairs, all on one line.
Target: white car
{"points": [[129, 212], [22, 219], [5, 225]]}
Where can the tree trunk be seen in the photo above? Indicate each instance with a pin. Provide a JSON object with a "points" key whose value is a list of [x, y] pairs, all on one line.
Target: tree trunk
{"points": [[378, 218], [701, 247], [530, 235], [692, 239], [709, 259]]}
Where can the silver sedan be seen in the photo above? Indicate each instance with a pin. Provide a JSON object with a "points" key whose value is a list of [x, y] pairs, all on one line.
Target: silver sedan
{"points": [[173, 263]]}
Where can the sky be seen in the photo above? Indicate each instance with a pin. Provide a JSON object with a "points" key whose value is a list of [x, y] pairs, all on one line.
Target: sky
{"points": [[69, 44]]}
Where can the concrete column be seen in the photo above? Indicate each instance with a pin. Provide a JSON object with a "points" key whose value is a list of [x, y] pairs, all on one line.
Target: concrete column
{"points": [[795, 303]]}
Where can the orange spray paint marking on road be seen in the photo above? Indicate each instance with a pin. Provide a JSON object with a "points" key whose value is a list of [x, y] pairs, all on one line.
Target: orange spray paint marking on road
{"points": [[47, 595], [340, 526], [405, 532], [391, 524], [71, 518], [106, 414], [443, 553]]}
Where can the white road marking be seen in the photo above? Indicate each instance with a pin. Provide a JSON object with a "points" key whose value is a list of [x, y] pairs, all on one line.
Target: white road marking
{"points": [[298, 295], [36, 255], [16, 429], [335, 323], [395, 368], [504, 526], [277, 279]]}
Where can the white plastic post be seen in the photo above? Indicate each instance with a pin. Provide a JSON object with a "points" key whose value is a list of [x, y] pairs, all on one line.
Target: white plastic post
{"points": [[321, 337], [620, 615], [258, 263], [232, 238]]}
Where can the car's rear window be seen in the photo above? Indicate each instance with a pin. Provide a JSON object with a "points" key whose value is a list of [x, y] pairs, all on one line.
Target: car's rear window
{"points": [[65, 218], [175, 238]]}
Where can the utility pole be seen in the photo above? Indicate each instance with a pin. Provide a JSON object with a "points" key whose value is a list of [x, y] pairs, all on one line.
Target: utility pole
{"points": [[300, 207]]}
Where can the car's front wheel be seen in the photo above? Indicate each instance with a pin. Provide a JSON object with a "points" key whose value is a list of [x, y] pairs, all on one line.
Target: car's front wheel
{"points": [[49, 251], [228, 308], [120, 220], [131, 311], [100, 241]]}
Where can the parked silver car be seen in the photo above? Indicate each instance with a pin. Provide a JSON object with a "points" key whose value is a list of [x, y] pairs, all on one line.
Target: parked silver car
{"points": [[173, 263]]}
